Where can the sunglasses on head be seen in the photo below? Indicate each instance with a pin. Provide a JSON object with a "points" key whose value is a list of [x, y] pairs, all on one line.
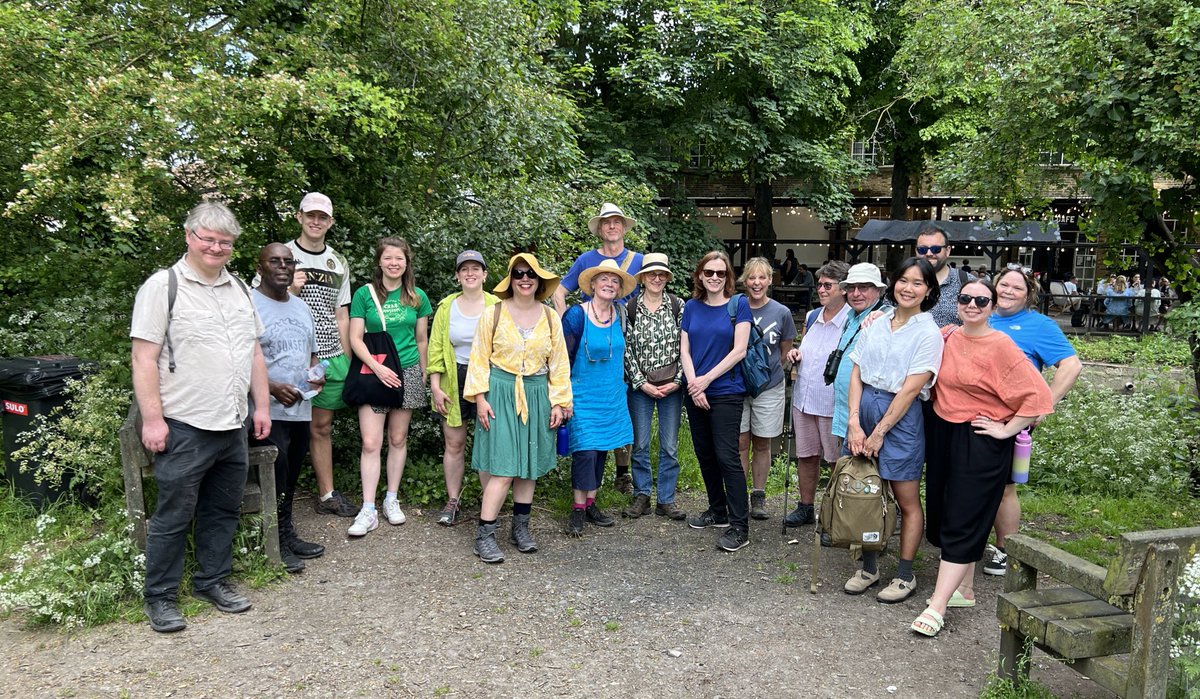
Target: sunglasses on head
{"points": [[524, 274], [718, 273], [980, 301], [925, 249]]}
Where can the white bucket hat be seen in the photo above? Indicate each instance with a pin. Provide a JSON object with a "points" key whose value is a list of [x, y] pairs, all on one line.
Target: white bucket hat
{"points": [[608, 210], [864, 273]]}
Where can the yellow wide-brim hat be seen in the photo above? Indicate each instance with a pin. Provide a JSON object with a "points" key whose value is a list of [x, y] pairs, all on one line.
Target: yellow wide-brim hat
{"points": [[549, 279], [628, 283]]}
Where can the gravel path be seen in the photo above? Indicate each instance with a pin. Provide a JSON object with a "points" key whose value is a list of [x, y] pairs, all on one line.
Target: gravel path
{"points": [[649, 608]]}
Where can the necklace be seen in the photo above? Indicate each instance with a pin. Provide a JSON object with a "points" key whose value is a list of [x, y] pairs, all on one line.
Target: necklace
{"points": [[596, 315]]}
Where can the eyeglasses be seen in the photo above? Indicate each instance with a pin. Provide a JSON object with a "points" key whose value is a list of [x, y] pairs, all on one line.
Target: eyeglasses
{"points": [[860, 288], [523, 274], [656, 275], [211, 242], [587, 347], [980, 301], [826, 285], [282, 262], [925, 249], [710, 273]]}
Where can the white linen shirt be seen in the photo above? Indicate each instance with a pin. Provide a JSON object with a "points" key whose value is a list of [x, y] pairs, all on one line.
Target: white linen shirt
{"points": [[885, 359], [810, 395]]}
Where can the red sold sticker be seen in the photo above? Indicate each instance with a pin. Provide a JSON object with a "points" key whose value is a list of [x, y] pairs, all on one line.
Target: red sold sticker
{"points": [[16, 408]]}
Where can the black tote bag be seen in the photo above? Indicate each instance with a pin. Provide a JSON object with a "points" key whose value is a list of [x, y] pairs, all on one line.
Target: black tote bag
{"points": [[362, 386]]}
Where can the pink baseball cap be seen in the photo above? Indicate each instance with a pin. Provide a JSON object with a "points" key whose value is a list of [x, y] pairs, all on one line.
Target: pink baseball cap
{"points": [[315, 201]]}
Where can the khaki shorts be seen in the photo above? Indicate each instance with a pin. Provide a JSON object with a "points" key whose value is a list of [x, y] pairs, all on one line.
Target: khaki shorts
{"points": [[763, 416]]}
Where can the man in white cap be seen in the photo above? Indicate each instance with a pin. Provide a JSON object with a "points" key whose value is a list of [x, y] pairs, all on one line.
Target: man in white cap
{"points": [[322, 280], [610, 225]]}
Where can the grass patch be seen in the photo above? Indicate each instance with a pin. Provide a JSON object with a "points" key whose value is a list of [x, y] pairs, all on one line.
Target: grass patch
{"points": [[1089, 525], [1156, 350]]}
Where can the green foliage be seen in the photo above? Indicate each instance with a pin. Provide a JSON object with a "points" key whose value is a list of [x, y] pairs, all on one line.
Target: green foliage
{"points": [[1185, 647], [996, 688], [1076, 452], [1088, 524], [1152, 351]]}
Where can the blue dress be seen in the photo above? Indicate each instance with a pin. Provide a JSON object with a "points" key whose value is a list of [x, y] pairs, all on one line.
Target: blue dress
{"points": [[601, 421]]}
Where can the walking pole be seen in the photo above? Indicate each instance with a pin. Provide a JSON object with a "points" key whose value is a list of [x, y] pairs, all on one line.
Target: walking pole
{"points": [[789, 449]]}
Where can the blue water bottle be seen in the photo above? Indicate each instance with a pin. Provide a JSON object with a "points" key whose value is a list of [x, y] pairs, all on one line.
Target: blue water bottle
{"points": [[564, 440]]}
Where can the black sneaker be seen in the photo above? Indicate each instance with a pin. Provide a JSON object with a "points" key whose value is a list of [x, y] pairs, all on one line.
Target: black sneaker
{"points": [[337, 504], [597, 516], [995, 561], [304, 549], [575, 524], [707, 519], [224, 597], [802, 515], [164, 615], [291, 562], [733, 539]]}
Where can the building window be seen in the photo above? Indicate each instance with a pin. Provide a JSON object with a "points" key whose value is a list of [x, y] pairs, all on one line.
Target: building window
{"points": [[869, 153], [1053, 158], [699, 157]]}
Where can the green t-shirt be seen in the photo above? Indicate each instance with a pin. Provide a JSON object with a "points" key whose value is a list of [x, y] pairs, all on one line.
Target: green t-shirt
{"points": [[401, 320]]}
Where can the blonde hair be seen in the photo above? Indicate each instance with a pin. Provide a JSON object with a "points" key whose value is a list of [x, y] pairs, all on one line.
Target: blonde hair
{"points": [[757, 265], [1121, 284]]}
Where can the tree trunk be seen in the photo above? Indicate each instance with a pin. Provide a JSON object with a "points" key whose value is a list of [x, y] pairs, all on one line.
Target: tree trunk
{"points": [[764, 203]]}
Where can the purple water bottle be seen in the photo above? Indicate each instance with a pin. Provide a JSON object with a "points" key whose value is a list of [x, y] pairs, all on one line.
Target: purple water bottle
{"points": [[564, 440], [1021, 451]]}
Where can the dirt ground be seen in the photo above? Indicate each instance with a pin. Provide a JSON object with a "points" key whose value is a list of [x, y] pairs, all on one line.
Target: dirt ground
{"points": [[649, 608]]}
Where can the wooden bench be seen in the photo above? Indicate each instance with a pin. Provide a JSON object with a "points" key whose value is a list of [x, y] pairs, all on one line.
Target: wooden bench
{"points": [[1112, 624], [138, 465]]}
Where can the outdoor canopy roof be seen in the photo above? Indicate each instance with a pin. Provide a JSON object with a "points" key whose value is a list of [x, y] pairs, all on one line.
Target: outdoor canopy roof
{"points": [[961, 231]]}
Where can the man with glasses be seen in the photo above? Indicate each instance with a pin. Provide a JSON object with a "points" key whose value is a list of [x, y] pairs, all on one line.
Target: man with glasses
{"points": [[193, 401], [934, 245], [610, 225], [322, 280], [289, 346]]}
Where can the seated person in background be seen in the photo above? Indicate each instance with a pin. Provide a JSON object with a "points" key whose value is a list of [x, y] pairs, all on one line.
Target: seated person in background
{"points": [[1117, 303]]}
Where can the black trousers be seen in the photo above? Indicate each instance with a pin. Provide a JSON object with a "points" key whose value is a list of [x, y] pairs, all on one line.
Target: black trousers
{"points": [[715, 439]]}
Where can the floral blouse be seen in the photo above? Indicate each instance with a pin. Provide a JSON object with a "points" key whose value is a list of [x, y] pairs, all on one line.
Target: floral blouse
{"points": [[506, 347], [654, 342]]}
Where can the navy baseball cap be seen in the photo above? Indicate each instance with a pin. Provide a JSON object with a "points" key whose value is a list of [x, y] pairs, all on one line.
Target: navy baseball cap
{"points": [[469, 256]]}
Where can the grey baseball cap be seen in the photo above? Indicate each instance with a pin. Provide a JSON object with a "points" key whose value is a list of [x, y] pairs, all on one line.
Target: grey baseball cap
{"points": [[469, 256]]}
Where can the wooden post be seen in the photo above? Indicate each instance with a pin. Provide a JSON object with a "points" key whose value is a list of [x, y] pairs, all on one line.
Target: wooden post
{"points": [[1154, 612]]}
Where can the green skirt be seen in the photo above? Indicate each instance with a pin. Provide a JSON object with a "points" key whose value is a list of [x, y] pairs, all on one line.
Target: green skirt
{"points": [[511, 448]]}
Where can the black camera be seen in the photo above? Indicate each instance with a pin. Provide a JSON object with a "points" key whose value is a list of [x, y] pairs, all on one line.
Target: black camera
{"points": [[831, 366]]}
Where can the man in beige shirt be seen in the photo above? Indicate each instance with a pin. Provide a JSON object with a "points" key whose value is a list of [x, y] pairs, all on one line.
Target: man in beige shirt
{"points": [[196, 358]]}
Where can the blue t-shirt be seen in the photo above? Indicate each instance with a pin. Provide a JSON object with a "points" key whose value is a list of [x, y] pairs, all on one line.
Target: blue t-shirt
{"points": [[1037, 336], [841, 384], [288, 342], [710, 339], [590, 259]]}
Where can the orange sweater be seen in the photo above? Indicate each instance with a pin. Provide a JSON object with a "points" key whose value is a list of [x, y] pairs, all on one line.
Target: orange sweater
{"points": [[988, 376]]}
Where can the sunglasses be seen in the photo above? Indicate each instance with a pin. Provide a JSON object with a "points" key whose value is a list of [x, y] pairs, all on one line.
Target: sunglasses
{"points": [[925, 249], [980, 301], [523, 274], [718, 273], [826, 285]]}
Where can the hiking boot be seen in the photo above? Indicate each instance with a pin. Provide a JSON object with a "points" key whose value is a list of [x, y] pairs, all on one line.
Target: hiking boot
{"points": [[597, 516], [164, 615], [485, 544], [624, 484], [521, 535], [826, 540], [758, 505], [366, 521], [291, 562], [304, 549], [860, 582], [995, 561], [575, 524], [640, 507], [802, 515], [224, 597], [449, 513], [337, 505], [707, 519], [734, 539], [391, 510], [898, 591], [669, 510]]}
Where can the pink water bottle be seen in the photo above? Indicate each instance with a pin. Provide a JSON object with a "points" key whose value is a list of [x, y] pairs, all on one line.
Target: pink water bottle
{"points": [[1021, 452]]}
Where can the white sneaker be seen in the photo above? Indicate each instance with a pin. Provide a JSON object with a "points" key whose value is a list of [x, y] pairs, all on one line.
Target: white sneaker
{"points": [[391, 510], [365, 521]]}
